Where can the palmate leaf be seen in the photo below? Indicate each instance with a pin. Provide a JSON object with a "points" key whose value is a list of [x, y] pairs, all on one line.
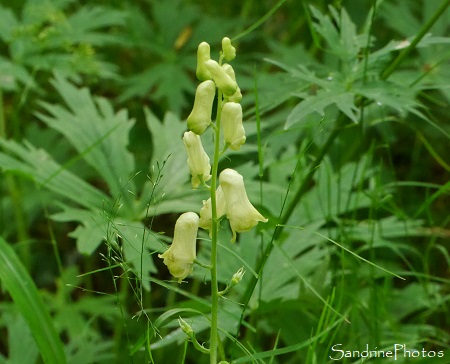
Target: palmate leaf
{"points": [[49, 37], [11, 74], [166, 81], [98, 226], [39, 166], [317, 104], [97, 133], [340, 34], [164, 66], [19, 337]]}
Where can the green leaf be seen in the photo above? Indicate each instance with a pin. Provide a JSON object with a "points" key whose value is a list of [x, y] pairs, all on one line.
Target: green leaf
{"points": [[317, 104], [11, 74], [172, 192], [23, 291], [97, 133], [19, 337], [39, 166], [340, 34]]}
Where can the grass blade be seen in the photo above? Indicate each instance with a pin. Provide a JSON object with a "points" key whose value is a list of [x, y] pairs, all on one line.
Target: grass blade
{"points": [[25, 295]]}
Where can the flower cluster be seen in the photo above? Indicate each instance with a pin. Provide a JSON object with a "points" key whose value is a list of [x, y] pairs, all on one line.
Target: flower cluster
{"points": [[219, 79]]}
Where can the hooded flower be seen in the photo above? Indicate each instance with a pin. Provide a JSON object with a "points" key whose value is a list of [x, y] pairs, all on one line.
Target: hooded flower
{"points": [[198, 160], [240, 212], [223, 81], [206, 211], [237, 96], [229, 52], [200, 117], [180, 257], [233, 130], [203, 55]]}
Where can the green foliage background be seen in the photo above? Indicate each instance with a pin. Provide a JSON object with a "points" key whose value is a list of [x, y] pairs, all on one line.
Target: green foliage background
{"points": [[346, 115]]}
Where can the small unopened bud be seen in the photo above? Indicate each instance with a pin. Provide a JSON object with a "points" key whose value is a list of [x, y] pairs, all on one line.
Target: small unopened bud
{"points": [[233, 130], [237, 96], [223, 81], [229, 52], [203, 55], [185, 327], [237, 277], [200, 117]]}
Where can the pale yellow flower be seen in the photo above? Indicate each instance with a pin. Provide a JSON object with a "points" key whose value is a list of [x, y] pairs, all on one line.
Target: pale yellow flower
{"points": [[198, 160], [203, 55], [231, 121], [179, 258], [206, 211], [200, 117], [237, 96], [223, 81], [229, 52], [240, 212]]}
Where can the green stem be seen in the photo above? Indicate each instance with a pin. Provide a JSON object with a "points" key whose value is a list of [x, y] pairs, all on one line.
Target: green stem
{"points": [[286, 214], [403, 54], [16, 198], [214, 233]]}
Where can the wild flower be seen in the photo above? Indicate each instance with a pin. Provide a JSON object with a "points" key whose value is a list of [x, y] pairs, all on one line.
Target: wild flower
{"points": [[179, 258]]}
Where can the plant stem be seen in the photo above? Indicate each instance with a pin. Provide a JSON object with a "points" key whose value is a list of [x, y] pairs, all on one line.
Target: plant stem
{"points": [[16, 199], [286, 214], [214, 233]]}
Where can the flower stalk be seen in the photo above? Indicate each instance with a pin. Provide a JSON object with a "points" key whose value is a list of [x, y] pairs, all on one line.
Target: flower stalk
{"points": [[227, 192]]}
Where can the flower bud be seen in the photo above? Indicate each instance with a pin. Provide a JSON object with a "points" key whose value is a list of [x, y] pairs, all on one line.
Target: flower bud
{"points": [[237, 96], [203, 55], [229, 52], [179, 258], [231, 121], [237, 277], [240, 212], [223, 81], [200, 117], [185, 327], [205, 221], [198, 160]]}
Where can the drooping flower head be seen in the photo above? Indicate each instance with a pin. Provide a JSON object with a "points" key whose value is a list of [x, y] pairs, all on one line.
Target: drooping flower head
{"points": [[240, 212], [179, 258]]}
